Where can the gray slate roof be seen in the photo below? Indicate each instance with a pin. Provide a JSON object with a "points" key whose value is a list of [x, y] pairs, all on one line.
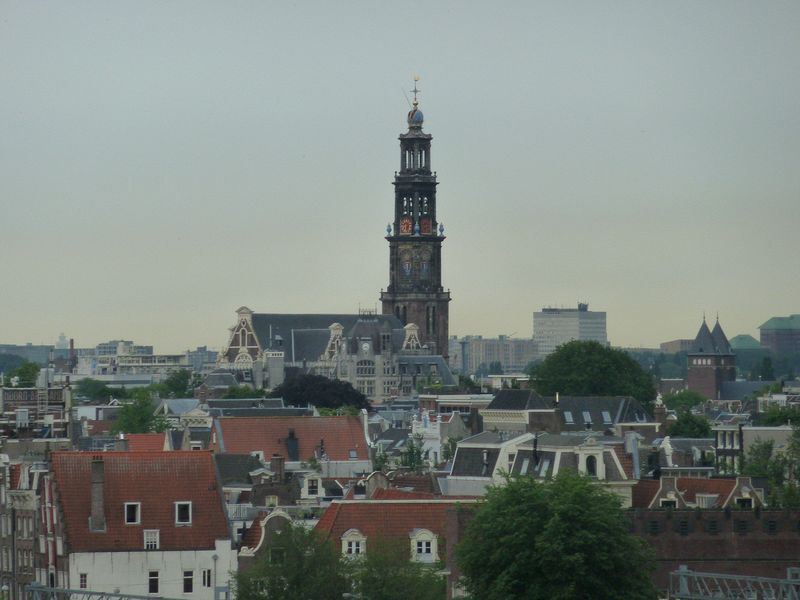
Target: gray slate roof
{"points": [[305, 336], [236, 468], [469, 462]]}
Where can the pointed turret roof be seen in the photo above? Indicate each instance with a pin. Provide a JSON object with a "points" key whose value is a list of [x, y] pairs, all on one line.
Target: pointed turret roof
{"points": [[710, 342], [703, 341], [721, 342]]}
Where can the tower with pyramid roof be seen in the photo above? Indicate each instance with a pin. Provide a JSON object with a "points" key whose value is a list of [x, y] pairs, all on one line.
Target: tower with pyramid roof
{"points": [[711, 361]]}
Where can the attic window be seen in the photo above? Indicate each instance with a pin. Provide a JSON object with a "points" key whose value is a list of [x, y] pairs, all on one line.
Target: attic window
{"points": [[183, 513], [151, 539], [568, 417], [587, 417], [525, 464], [353, 454], [133, 514], [606, 417]]}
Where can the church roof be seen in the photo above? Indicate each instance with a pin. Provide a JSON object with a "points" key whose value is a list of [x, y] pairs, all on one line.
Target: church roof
{"points": [[305, 336]]}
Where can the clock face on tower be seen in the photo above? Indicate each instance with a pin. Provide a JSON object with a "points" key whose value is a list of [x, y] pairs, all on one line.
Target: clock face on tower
{"points": [[405, 226], [425, 226]]}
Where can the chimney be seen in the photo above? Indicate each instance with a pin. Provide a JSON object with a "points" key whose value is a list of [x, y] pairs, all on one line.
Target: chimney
{"points": [[97, 517], [292, 447], [276, 465]]}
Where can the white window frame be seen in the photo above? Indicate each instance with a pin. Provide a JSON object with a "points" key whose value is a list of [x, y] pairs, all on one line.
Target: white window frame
{"points": [[155, 538], [354, 543], [207, 578], [188, 580], [83, 581], [178, 522], [138, 520], [424, 546]]}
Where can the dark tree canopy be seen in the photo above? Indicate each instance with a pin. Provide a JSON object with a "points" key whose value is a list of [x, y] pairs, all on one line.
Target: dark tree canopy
{"points": [[591, 369], [136, 415], [782, 470], [26, 372], [558, 540], [299, 565], [386, 573], [683, 400], [690, 426], [9, 362], [319, 391]]}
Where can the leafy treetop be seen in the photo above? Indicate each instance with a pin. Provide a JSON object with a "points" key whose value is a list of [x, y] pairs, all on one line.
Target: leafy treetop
{"points": [[320, 391], [561, 540], [583, 368], [690, 426], [683, 400]]}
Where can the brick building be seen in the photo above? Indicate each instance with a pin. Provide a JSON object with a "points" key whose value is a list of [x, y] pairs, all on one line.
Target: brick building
{"points": [[711, 362]]}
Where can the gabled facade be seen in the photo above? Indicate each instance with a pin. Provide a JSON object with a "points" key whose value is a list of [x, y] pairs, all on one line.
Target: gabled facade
{"points": [[377, 354], [137, 522], [692, 492]]}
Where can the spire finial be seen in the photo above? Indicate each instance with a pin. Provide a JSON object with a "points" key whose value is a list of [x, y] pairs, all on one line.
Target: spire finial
{"points": [[704, 316], [415, 91], [717, 316]]}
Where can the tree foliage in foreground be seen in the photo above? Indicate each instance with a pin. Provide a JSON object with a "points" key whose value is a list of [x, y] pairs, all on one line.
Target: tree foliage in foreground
{"points": [[319, 391], [299, 565], [136, 415], [590, 369], [782, 470], [302, 565], [26, 374], [690, 426], [683, 401], [559, 540]]}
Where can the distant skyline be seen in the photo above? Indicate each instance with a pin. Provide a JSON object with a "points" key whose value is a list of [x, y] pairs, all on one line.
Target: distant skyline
{"points": [[163, 163]]}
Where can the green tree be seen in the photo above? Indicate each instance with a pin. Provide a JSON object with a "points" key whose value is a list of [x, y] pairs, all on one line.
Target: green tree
{"points": [[26, 373], [782, 470], [136, 415], [386, 573], [177, 383], [560, 540], [449, 447], [690, 426], [779, 415], [299, 566], [412, 455], [8, 363], [319, 391], [92, 389], [346, 411], [591, 369], [683, 400], [467, 385], [242, 391]]}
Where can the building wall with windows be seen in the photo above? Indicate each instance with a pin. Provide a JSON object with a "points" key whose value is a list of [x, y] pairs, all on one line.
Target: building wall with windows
{"points": [[176, 574], [553, 327]]}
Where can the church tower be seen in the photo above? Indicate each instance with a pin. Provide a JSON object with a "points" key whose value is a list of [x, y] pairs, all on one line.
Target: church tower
{"points": [[415, 293]]}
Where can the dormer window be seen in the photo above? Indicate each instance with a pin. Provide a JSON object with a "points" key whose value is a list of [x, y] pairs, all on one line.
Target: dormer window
{"points": [[587, 418], [313, 487], [183, 513], [591, 466], [568, 417], [423, 546], [353, 543], [133, 513], [606, 418]]}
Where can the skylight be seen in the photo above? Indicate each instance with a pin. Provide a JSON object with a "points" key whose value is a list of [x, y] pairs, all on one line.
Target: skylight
{"points": [[606, 417], [568, 417]]}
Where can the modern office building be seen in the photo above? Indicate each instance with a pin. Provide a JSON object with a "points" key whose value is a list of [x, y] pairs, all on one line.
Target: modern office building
{"points": [[553, 327], [781, 334]]}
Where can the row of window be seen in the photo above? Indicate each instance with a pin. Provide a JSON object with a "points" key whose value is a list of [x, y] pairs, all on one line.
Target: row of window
{"points": [[740, 526], [183, 513], [423, 545], [587, 417], [154, 581]]}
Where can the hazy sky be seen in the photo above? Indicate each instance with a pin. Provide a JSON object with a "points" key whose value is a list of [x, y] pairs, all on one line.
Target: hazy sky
{"points": [[163, 163]]}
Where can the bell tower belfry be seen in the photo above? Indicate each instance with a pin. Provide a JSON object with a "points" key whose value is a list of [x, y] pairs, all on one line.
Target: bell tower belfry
{"points": [[415, 293]]}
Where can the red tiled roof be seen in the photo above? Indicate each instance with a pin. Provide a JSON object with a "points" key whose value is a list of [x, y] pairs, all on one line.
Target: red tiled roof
{"points": [[99, 427], [252, 536], [157, 480], [625, 459], [391, 519], [689, 487], [242, 435], [643, 492], [395, 494], [145, 442]]}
